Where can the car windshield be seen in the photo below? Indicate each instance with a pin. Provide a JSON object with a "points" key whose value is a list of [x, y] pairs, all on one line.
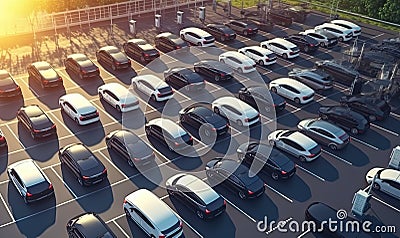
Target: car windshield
{"points": [[88, 163], [164, 90]]}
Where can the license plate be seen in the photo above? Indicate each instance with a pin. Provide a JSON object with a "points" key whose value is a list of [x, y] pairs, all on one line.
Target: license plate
{"points": [[53, 85], [97, 181], [48, 134]]}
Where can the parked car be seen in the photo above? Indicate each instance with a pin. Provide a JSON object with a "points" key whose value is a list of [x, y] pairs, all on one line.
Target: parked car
{"points": [[153, 86], [214, 69], [221, 32], [197, 36], [305, 43], [261, 98], [168, 42], [259, 54], [81, 66], [139, 49], [345, 118], [196, 195], [168, 132], [152, 215], [83, 164], [3, 141], [343, 34], [8, 86], [118, 97], [324, 38], [385, 180], [280, 18], [36, 121], [296, 144], [245, 28], [113, 57], [43, 73], [81, 110], [281, 47], [238, 61], [297, 13], [204, 120], [236, 110], [292, 89], [30, 180], [184, 78], [356, 29], [266, 158], [88, 224], [372, 108], [235, 177], [313, 78], [325, 133], [130, 147], [340, 73]]}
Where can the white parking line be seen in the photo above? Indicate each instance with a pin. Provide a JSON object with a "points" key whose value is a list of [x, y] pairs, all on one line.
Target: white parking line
{"points": [[30, 88], [120, 228], [15, 136], [337, 157], [62, 123], [386, 204], [311, 173], [281, 224], [65, 184], [280, 194], [5, 181], [116, 167], [384, 129], [304, 233], [7, 208], [364, 143], [395, 115], [240, 210]]}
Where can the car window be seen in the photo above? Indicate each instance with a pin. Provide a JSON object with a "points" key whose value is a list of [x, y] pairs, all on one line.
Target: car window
{"points": [[234, 60], [70, 107], [78, 234], [323, 132], [112, 95], [144, 218], [233, 110], [146, 84], [16, 177], [235, 179]]}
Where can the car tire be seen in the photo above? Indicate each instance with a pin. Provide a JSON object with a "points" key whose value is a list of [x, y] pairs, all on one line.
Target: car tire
{"points": [[306, 49], [113, 67], [241, 97], [297, 100], [148, 131], [183, 37], [77, 121], [242, 195], [130, 163], [285, 56], [354, 131], [372, 118], [323, 44], [341, 39], [207, 132], [33, 135], [182, 118], [376, 186], [153, 98], [271, 142], [81, 76], [217, 78], [101, 96], [223, 38], [199, 44], [261, 62], [187, 88], [323, 117], [216, 110], [275, 176], [80, 181], [128, 215], [134, 85], [273, 89], [302, 158], [222, 61], [241, 156], [240, 70], [333, 146], [200, 214], [142, 59], [245, 33], [42, 85], [239, 123], [118, 108], [210, 175]]}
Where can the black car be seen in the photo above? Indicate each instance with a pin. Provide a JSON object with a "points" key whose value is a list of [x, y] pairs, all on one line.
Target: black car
{"points": [[304, 42], [184, 78], [3, 141], [243, 27], [320, 213], [35, 120], [168, 42], [205, 120], [88, 225], [8, 86], [314, 78], [340, 73], [82, 66], [85, 166], [258, 97], [43, 73], [372, 108], [346, 118], [266, 159], [235, 176], [214, 69], [221, 32], [139, 49], [113, 57], [130, 147], [196, 195]]}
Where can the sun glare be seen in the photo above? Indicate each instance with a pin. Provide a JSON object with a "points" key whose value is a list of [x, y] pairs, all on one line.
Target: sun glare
{"points": [[11, 9]]}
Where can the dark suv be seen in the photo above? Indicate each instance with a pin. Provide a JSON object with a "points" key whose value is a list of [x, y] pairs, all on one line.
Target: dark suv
{"points": [[221, 32], [139, 49], [35, 120], [346, 118], [243, 27], [371, 107], [304, 42], [340, 73]]}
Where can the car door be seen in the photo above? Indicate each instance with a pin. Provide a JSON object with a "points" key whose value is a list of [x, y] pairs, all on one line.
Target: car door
{"points": [[283, 90], [145, 222], [25, 121], [17, 182], [106, 57], [196, 120], [288, 146], [395, 189], [70, 162], [387, 186], [70, 110], [319, 135], [120, 147], [228, 111], [291, 92], [252, 54], [107, 95], [146, 88]]}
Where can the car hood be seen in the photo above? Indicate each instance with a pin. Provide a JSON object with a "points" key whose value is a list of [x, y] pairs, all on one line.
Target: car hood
{"points": [[371, 174]]}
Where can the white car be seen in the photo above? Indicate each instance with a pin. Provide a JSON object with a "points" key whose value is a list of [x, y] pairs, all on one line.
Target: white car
{"points": [[118, 97], [260, 55], [324, 38], [236, 110], [153, 86], [152, 215], [387, 180], [282, 47], [238, 61], [292, 89], [296, 144], [197, 36], [79, 109], [348, 25], [343, 34]]}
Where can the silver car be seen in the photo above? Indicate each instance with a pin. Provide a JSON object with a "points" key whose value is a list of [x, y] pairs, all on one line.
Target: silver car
{"points": [[386, 180], [324, 133], [313, 78]]}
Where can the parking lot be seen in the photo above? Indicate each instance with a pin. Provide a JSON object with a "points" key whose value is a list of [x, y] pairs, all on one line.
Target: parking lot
{"points": [[333, 178]]}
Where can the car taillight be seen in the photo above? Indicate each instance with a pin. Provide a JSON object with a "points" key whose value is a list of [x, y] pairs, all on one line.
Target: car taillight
{"points": [[214, 129], [311, 155], [208, 211], [283, 172], [222, 75], [177, 47], [36, 131], [117, 62], [136, 159], [1, 91], [250, 192], [146, 55], [81, 118], [60, 79], [83, 72], [250, 30], [85, 177], [227, 35], [224, 202], [53, 126], [176, 143], [161, 236], [159, 94], [29, 194], [97, 113], [180, 223], [123, 105], [45, 81], [191, 138], [17, 88], [125, 201], [104, 171], [312, 45], [51, 186], [2, 138], [227, 125], [246, 119]]}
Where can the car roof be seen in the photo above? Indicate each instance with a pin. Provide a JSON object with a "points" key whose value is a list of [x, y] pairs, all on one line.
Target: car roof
{"points": [[118, 89], [28, 171], [260, 49], [292, 82], [237, 55], [77, 56], [196, 30], [91, 226], [32, 110], [231, 165], [78, 151], [41, 64], [390, 174], [156, 210], [302, 139], [282, 42], [167, 35], [327, 126], [170, 126], [235, 103], [217, 65], [344, 22], [308, 72], [200, 188], [109, 48], [126, 135], [202, 111], [78, 101], [137, 41], [335, 26], [155, 81]]}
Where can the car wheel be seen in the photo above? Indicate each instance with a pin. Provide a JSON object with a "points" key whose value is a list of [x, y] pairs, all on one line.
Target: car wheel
{"points": [[376, 186], [240, 70], [187, 88], [216, 110], [272, 143], [223, 38], [285, 56], [306, 49], [118, 108], [81, 76], [245, 33], [241, 195], [261, 62], [153, 97], [323, 44], [182, 118], [207, 132], [80, 181], [142, 59], [241, 156], [130, 163], [42, 85], [297, 100], [200, 214], [222, 61], [25, 200], [241, 97], [217, 78], [134, 85], [32, 135], [199, 44], [273, 89], [128, 215], [210, 175], [148, 131], [239, 122], [113, 67], [323, 117], [101, 96], [275, 176], [341, 39], [354, 131], [333, 146], [302, 158], [77, 121], [183, 37], [372, 118]]}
